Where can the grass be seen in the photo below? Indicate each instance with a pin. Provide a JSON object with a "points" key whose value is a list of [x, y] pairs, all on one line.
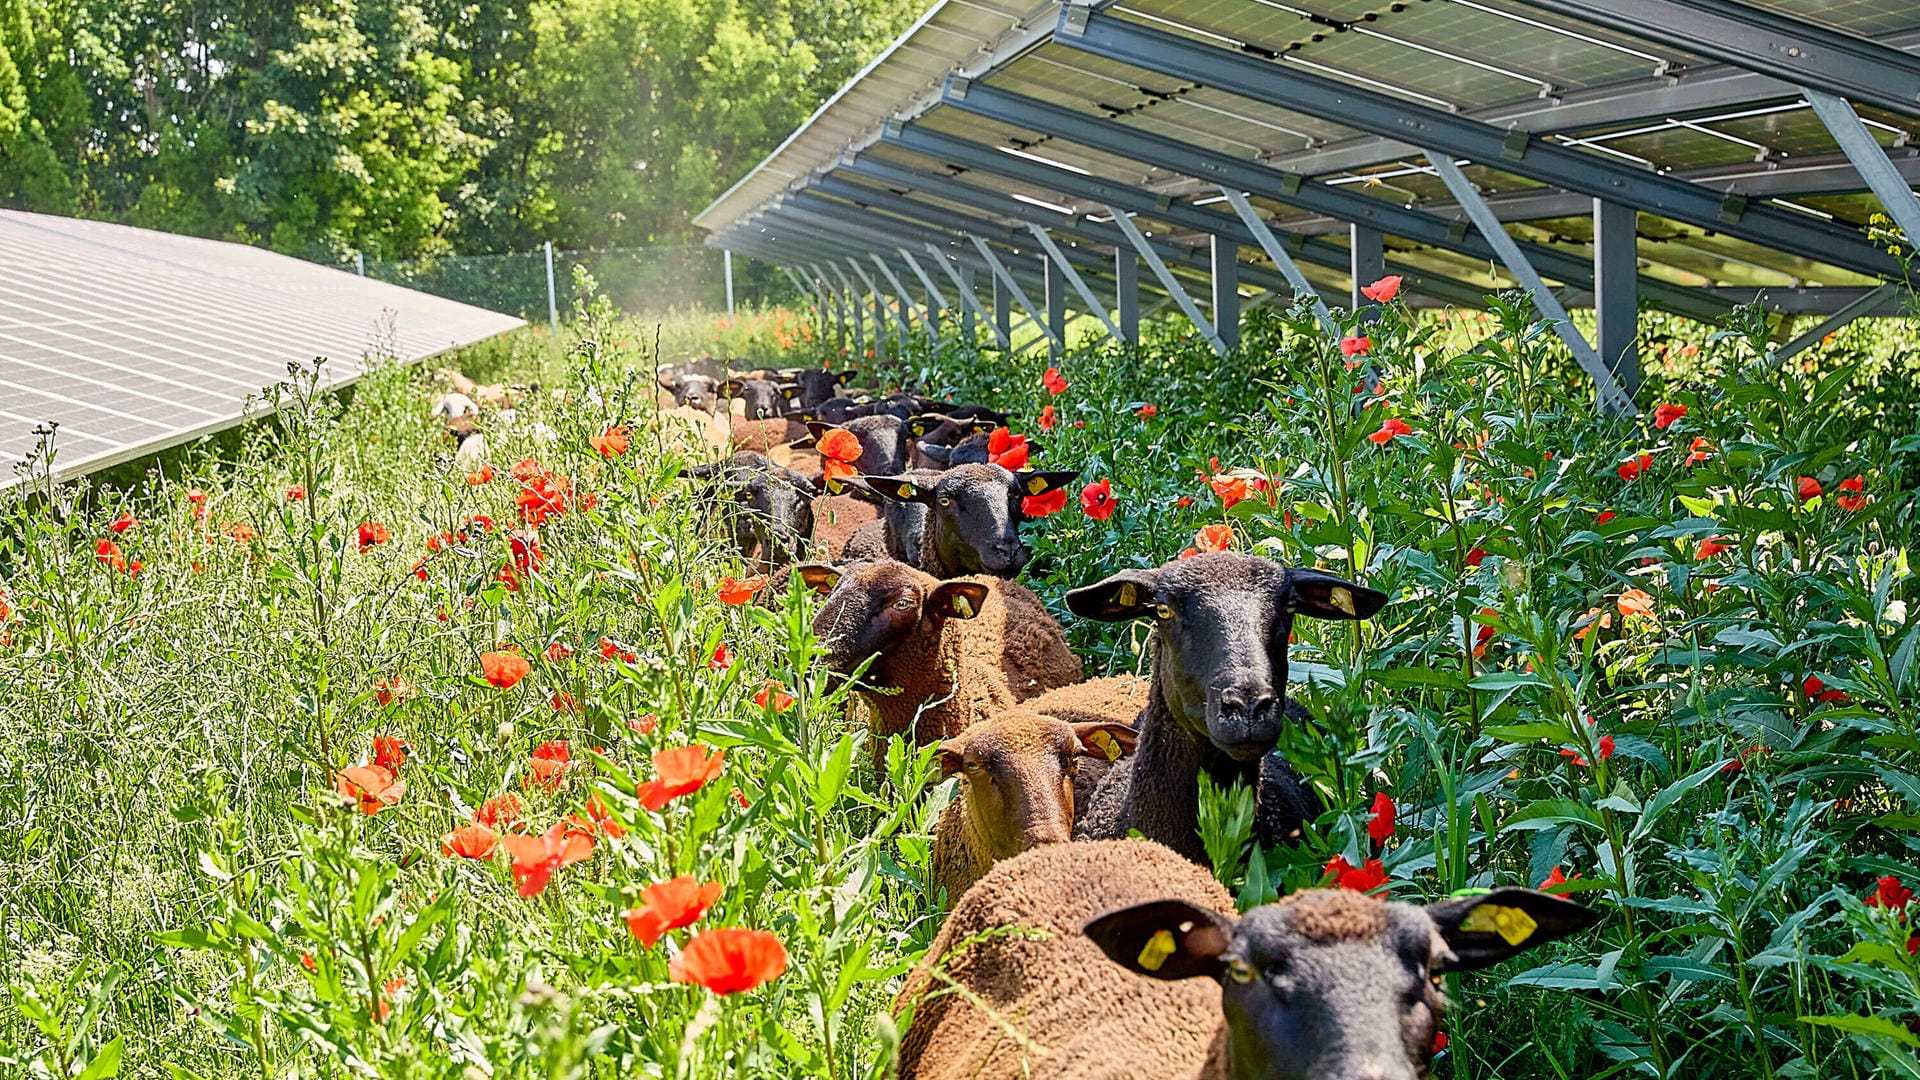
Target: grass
{"points": [[1566, 682]]}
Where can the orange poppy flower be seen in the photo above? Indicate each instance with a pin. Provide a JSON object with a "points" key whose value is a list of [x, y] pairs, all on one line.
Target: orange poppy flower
{"points": [[482, 475], [1809, 488], [1853, 501], [1599, 617], [734, 592], [774, 695], [1055, 382], [1383, 290], [1097, 501], [504, 669], [1007, 450], [557, 651], [1634, 466], [1711, 546], [371, 533], [1046, 419], [681, 771], [389, 752], [1636, 602], [722, 658], [1355, 345], [535, 858], [1391, 428], [469, 842], [644, 725], [499, 810], [1369, 876], [597, 818], [669, 905], [109, 552], [1665, 415], [370, 787], [730, 960], [122, 523], [612, 443], [1215, 537]]}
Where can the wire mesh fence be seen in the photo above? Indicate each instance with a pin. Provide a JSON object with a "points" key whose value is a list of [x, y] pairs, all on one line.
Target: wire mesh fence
{"points": [[640, 280]]}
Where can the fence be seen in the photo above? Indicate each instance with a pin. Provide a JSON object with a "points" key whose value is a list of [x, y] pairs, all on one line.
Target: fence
{"points": [[640, 280]]}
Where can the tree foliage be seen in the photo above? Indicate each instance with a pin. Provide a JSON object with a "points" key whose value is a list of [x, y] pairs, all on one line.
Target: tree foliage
{"points": [[407, 128]]}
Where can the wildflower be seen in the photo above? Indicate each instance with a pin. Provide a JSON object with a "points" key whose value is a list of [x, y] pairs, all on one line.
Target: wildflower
{"points": [[1604, 516], [730, 960], [1439, 1041], [1636, 602], [556, 651], [1711, 546], [1476, 556], [840, 449], [740, 797], [1390, 428], [1383, 290], [561, 701], [370, 787], [1888, 893], [1555, 878], [1355, 345], [1055, 383], [1746, 754], [1818, 693], [1573, 756], [109, 552], [1634, 466], [482, 475], [734, 592], [611, 443], [1606, 747], [1039, 506], [681, 771], [1096, 500], [1853, 501], [525, 548], [1007, 450], [1380, 823], [1046, 419], [1809, 488], [198, 500], [504, 669], [669, 905], [1599, 617], [1484, 635], [469, 842], [389, 752], [1183, 502], [773, 696], [296, 493], [611, 650], [371, 533], [598, 817], [1700, 451], [535, 858], [644, 725], [1664, 415], [722, 658], [1146, 412], [1232, 490], [122, 523], [1369, 876], [1215, 537]]}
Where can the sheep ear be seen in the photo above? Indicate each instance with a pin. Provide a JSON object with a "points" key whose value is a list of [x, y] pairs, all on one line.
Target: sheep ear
{"points": [[1484, 929], [925, 422], [952, 758], [1164, 939], [1104, 739], [984, 425], [898, 489], [668, 380], [1326, 596], [1043, 483], [1126, 595], [819, 577], [937, 453], [956, 600], [843, 377], [734, 387], [819, 430]]}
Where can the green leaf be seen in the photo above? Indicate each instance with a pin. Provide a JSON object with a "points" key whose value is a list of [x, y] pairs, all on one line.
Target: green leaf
{"points": [[1878, 1026], [106, 1063], [1547, 813], [1664, 799]]}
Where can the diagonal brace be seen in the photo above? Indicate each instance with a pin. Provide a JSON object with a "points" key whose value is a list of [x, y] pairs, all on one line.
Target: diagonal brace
{"points": [[1094, 306], [1013, 287], [1167, 280]]}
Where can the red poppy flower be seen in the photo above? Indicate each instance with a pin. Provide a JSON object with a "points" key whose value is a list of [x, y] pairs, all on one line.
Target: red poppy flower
{"points": [[1380, 823], [109, 552], [1634, 466], [370, 787], [1007, 450], [469, 842], [198, 500], [1039, 506], [482, 475], [535, 858], [1096, 500], [1853, 501], [841, 449], [389, 752], [371, 533], [734, 592], [497, 811], [681, 771], [1232, 490], [557, 651], [1476, 556], [504, 669], [1604, 516], [296, 493], [1555, 878], [644, 725], [389, 691], [1664, 415], [1355, 345], [1147, 412], [1636, 602], [1439, 1041], [611, 443], [1700, 451], [773, 695], [722, 658], [1371, 875], [1890, 894], [526, 551], [1046, 419], [597, 818], [1809, 488], [122, 523], [1817, 691], [1574, 756], [612, 650], [1215, 537], [730, 960], [1390, 428], [1055, 383], [1383, 290], [1711, 546], [1606, 747], [669, 905]]}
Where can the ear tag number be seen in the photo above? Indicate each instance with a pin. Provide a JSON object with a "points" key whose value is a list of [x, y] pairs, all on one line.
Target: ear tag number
{"points": [[906, 491], [1513, 925], [1036, 485], [1158, 948], [1339, 596], [1128, 594], [1106, 744]]}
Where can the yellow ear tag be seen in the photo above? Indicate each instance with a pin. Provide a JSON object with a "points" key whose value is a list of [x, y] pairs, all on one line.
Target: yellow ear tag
{"points": [[1513, 925], [1036, 485], [1158, 948], [906, 491], [963, 605], [1339, 596], [919, 429], [832, 580], [1106, 744], [1128, 594]]}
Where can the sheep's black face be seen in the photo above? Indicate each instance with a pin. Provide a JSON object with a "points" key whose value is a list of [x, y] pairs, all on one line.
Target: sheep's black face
{"points": [[1330, 984], [817, 386], [883, 444], [762, 399], [975, 513], [1220, 651], [833, 410], [772, 507], [693, 391]]}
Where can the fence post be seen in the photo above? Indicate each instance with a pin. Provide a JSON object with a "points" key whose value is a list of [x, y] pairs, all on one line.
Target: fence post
{"points": [[360, 263], [726, 260], [553, 300]]}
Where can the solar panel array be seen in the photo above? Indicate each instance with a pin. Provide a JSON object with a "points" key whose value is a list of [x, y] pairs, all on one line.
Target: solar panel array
{"points": [[133, 340]]}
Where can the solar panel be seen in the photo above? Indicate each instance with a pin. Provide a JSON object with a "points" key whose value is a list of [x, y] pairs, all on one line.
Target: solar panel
{"points": [[133, 340]]}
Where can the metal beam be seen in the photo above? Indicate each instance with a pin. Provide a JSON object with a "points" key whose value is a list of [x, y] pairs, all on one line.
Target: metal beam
{"points": [[1002, 310], [1269, 244], [1616, 302], [1094, 306], [1764, 40], [934, 295], [1289, 86], [1369, 254], [919, 215], [1001, 275], [1226, 290], [1891, 188], [1167, 280], [1867, 302], [1612, 397], [905, 305], [1126, 293], [967, 295], [1056, 295], [1346, 205]]}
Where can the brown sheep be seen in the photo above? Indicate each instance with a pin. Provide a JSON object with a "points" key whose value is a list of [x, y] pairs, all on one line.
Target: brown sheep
{"points": [[1016, 789], [1327, 984], [970, 520], [1218, 701], [946, 653]]}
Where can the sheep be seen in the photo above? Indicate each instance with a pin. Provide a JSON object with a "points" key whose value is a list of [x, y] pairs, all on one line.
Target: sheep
{"points": [[694, 386], [834, 411], [948, 652], [454, 405], [816, 384], [1115, 699], [883, 441], [471, 449], [774, 507], [1218, 699], [1016, 770], [935, 438], [1326, 984], [761, 399], [972, 516]]}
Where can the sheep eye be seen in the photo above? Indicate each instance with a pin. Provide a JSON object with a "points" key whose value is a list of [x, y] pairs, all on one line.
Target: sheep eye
{"points": [[946, 501], [973, 766], [906, 602], [1163, 611], [1240, 971]]}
